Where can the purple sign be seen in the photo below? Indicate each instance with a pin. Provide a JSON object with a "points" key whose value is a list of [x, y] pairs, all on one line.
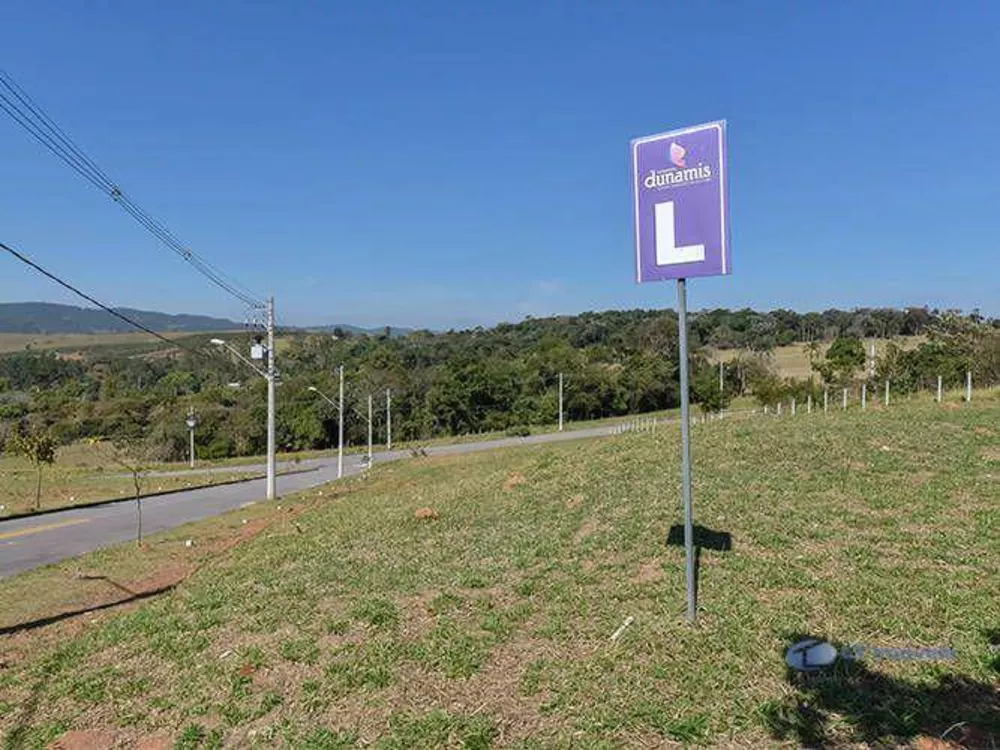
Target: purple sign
{"points": [[681, 204]]}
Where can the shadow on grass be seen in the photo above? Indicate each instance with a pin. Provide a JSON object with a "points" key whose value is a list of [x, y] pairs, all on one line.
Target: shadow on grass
{"points": [[704, 538], [131, 596], [849, 703]]}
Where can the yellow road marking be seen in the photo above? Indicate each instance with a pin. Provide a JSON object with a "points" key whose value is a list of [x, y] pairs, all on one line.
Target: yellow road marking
{"points": [[40, 529]]}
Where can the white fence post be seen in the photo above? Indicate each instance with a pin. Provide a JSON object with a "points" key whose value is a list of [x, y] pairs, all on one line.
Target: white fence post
{"points": [[968, 386], [826, 399], [809, 404], [939, 390], [887, 393], [845, 400], [793, 406], [864, 396]]}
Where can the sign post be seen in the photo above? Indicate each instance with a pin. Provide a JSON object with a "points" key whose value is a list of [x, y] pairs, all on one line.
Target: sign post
{"points": [[681, 207]]}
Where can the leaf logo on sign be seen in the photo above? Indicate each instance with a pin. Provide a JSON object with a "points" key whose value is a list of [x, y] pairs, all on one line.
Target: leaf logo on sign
{"points": [[677, 154]]}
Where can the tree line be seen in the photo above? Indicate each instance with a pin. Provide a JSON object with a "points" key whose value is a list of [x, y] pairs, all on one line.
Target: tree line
{"points": [[458, 382]]}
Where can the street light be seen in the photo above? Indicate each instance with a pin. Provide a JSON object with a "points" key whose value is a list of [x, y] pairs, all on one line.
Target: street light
{"points": [[192, 422], [270, 375]]}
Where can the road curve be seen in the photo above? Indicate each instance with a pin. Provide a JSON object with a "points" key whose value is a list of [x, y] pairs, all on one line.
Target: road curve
{"points": [[27, 543]]}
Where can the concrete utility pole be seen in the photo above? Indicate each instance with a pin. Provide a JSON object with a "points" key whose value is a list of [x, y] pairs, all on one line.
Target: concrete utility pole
{"points": [[560, 402], [271, 403], [369, 430], [340, 429], [270, 373], [388, 419]]}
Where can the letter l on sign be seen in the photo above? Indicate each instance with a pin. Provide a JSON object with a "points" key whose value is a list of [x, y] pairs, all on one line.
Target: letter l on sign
{"points": [[667, 252]]}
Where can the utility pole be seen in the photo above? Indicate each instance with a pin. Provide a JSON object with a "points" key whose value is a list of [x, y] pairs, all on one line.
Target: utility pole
{"points": [[271, 448], [340, 428], [560, 402], [369, 430], [388, 419]]}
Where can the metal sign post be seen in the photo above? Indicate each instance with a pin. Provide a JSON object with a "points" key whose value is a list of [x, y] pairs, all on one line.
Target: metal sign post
{"points": [[682, 231]]}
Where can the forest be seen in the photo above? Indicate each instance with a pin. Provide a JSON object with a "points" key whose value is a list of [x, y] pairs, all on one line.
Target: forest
{"points": [[503, 378]]}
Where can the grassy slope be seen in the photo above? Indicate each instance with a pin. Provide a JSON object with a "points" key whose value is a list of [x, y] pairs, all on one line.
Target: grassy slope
{"points": [[358, 623]]}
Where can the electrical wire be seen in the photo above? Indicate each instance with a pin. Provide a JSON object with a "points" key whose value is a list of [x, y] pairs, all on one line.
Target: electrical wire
{"points": [[37, 123], [29, 262]]}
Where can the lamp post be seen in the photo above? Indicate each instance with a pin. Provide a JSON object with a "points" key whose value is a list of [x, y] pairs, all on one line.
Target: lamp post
{"points": [[269, 376], [192, 422]]}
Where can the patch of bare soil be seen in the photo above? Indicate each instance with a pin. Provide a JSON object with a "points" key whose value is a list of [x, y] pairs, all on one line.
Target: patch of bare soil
{"points": [[109, 739], [589, 528], [649, 572], [516, 478]]}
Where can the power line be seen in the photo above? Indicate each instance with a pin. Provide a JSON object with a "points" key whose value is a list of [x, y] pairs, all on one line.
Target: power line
{"points": [[16, 102], [27, 261]]}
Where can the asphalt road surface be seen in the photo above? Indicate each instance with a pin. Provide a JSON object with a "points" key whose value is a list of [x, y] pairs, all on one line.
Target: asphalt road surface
{"points": [[27, 543]]}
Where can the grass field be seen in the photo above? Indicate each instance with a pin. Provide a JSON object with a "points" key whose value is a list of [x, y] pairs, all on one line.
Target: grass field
{"points": [[71, 343], [345, 621], [792, 361]]}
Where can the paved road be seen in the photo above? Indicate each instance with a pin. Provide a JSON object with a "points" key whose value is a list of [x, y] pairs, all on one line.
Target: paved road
{"points": [[27, 543]]}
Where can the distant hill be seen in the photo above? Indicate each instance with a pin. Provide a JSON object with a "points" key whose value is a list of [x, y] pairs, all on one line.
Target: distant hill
{"points": [[47, 317]]}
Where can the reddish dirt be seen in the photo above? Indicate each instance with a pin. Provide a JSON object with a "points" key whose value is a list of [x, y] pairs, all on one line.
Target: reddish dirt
{"points": [[105, 739]]}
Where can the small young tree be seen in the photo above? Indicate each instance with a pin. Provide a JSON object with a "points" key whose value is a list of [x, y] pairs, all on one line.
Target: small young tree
{"points": [[705, 385], [36, 446], [131, 454], [844, 357]]}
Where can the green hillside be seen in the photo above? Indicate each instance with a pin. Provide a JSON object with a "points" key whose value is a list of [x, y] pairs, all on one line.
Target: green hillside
{"points": [[356, 624]]}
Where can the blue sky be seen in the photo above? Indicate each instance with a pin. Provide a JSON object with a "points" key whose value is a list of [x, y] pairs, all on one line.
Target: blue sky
{"points": [[448, 164]]}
